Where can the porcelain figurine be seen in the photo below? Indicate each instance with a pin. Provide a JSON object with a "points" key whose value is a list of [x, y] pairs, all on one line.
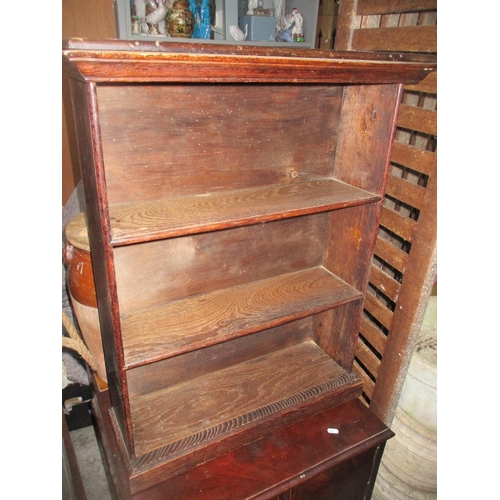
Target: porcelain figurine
{"points": [[237, 34], [252, 5], [158, 14], [197, 21], [296, 18], [136, 30], [291, 27], [193, 8], [162, 28], [140, 9]]}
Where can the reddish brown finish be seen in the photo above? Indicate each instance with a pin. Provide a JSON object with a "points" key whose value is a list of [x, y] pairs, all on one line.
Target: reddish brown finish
{"points": [[197, 322], [91, 164], [148, 159], [370, 111], [394, 6], [93, 46], [212, 261], [190, 158], [301, 461], [248, 390], [199, 213], [187, 63], [153, 377]]}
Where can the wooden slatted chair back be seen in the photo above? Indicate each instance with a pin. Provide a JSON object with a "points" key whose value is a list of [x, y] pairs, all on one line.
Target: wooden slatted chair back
{"points": [[403, 269]]}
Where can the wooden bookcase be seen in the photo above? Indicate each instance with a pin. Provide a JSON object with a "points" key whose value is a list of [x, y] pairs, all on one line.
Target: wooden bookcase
{"points": [[232, 202]]}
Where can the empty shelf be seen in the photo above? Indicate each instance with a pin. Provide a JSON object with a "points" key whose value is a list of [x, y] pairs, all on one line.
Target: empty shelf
{"points": [[188, 324]]}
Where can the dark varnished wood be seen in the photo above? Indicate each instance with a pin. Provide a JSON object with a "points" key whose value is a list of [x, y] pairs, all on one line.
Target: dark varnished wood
{"points": [[72, 484], [127, 61], [153, 377], [405, 250], [179, 326], [302, 459], [100, 45], [232, 196], [371, 111], [178, 268], [93, 179], [181, 215], [189, 139], [150, 468], [199, 409], [177, 216]]}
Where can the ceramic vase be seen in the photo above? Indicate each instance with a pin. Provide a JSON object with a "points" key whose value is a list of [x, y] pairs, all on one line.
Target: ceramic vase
{"points": [[180, 20], [81, 286]]}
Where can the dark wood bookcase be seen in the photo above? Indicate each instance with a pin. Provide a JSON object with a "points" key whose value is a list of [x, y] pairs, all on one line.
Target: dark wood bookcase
{"points": [[232, 203]]}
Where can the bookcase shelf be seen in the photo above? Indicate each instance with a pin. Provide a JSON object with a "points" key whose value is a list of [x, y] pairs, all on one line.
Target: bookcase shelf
{"points": [[195, 322], [237, 397], [191, 214]]}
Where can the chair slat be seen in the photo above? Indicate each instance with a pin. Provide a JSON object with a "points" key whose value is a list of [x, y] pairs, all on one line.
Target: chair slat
{"points": [[385, 283], [405, 191], [395, 257], [367, 358], [395, 222], [367, 7], [368, 384], [415, 118], [400, 39], [378, 310], [373, 335], [414, 158]]}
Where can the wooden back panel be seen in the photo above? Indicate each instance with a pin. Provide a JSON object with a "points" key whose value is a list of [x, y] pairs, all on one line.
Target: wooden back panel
{"points": [[154, 273], [230, 128], [149, 378]]}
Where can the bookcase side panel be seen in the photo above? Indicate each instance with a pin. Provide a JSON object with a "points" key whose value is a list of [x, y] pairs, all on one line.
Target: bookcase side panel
{"points": [[366, 133], [91, 164], [367, 128]]}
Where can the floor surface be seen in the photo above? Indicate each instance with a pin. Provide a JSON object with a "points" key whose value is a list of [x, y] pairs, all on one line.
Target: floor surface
{"points": [[90, 464]]}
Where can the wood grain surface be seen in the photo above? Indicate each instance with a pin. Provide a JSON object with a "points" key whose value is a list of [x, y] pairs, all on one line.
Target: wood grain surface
{"points": [[180, 326], [182, 215], [161, 141], [152, 377], [153, 273], [237, 396], [120, 60]]}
